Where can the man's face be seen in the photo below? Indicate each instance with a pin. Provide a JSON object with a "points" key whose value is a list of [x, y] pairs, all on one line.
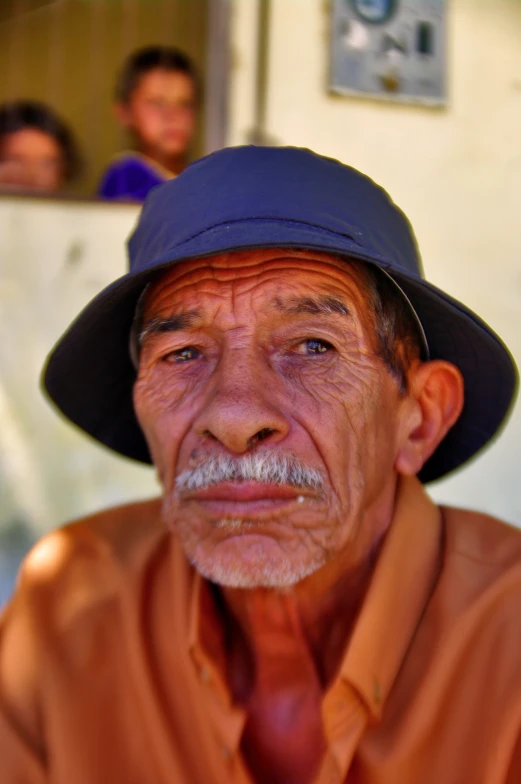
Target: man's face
{"points": [[267, 354]]}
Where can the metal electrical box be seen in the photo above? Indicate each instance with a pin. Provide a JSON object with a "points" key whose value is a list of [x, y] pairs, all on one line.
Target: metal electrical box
{"points": [[390, 49]]}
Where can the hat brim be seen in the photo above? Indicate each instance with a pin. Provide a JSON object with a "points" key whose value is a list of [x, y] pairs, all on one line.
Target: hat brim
{"points": [[89, 374]]}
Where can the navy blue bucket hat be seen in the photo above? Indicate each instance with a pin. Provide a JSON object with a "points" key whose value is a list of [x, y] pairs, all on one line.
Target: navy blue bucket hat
{"points": [[255, 197]]}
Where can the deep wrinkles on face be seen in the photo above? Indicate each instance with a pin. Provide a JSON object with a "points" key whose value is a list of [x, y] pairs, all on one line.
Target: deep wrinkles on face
{"points": [[346, 389], [334, 391], [321, 378]]}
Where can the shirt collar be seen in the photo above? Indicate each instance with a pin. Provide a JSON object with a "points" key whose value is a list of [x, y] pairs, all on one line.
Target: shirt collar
{"points": [[206, 641], [207, 648], [402, 583]]}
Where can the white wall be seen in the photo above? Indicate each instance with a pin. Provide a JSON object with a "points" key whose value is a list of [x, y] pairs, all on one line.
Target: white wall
{"points": [[456, 171], [54, 257]]}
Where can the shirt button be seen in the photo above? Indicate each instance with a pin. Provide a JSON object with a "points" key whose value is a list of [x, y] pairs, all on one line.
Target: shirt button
{"points": [[225, 751], [204, 675]]}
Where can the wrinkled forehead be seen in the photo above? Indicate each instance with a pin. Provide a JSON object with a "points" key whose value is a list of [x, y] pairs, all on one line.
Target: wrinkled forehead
{"points": [[270, 269]]}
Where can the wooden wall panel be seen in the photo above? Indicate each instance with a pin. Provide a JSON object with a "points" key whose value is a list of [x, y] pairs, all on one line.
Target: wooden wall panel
{"points": [[68, 52]]}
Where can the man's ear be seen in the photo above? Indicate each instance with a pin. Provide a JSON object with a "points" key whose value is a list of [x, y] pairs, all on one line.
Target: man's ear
{"points": [[433, 404]]}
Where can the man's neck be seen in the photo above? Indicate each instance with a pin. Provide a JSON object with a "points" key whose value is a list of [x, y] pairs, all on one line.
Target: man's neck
{"points": [[315, 616], [284, 649], [267, 619]]}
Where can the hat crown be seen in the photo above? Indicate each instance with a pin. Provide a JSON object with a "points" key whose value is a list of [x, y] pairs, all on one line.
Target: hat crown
{"points": [[281, 186]]}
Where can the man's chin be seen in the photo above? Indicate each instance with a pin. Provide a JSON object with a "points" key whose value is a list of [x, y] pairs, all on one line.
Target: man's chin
{"points": [[256, 567]]}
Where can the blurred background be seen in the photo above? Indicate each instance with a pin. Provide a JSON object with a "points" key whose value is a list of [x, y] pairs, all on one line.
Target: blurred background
{"points": [[67, 54], [424, 96]]}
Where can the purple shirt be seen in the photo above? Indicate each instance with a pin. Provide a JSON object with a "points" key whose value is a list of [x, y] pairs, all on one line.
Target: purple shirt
{"points": [[130, 177]]}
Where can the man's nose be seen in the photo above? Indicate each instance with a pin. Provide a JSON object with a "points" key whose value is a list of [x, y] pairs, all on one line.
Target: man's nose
{"points": [[241, 409]]}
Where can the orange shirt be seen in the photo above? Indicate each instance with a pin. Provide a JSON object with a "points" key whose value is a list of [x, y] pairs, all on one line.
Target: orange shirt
{"points": [[104, 679]]}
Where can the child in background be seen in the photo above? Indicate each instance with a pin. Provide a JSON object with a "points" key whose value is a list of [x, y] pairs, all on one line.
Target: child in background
{"points": [[37, 150], [157, 97]]}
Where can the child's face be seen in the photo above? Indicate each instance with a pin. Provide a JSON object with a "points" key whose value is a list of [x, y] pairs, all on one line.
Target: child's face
{"points": [[162, 113], [31, 159]]}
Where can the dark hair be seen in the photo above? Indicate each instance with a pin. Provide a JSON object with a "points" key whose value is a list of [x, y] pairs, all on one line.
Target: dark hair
{"points": [[151, 57], [19, 115], [398, 334]]}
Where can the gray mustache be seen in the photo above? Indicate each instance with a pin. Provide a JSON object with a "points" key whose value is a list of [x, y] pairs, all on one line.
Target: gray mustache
{"points": [[266, 467]]}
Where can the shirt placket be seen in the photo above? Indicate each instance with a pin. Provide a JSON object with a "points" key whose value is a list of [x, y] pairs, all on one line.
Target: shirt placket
{"points": [[226, 719]]}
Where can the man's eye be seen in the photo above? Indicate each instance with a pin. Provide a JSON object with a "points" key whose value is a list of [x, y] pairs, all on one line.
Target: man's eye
{"points": [[185, 354], [316, 346]]}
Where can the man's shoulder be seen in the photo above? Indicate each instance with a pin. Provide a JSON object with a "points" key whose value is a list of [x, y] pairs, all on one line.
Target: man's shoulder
{"points": [[481, 538], [120, 528], [70, 598], [84, 563], [480, 580]]}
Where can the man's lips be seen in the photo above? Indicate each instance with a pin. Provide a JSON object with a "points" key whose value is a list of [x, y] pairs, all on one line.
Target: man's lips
{"points": [[239, 499], [244, 491]]}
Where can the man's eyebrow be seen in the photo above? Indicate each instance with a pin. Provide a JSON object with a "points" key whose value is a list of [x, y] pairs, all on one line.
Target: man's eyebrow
{"points": [[175, 323], [324, 305]]}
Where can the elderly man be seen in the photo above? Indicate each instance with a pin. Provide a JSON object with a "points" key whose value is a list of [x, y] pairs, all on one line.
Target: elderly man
{"points": [[295, 609]]}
